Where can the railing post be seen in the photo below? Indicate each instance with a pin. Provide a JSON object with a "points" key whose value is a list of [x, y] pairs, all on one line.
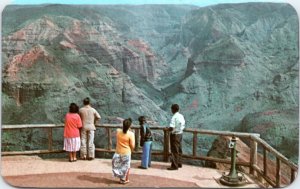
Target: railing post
{"points": [[50, 142], [292, 175], [253, 155], [278, 172], [265, 162], [194, 143], [137, 139], [166, 145], [109, 139]]}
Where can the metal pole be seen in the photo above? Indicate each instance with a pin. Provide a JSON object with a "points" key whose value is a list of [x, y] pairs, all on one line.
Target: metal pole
{"points": [[233, 172], [233, 179]]}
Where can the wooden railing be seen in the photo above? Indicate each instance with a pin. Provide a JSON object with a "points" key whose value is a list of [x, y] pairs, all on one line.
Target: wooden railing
{"points": [[253, 165]]}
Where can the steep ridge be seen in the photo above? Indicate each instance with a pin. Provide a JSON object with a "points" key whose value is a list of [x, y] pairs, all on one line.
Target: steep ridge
{"points": [[79, 60]]}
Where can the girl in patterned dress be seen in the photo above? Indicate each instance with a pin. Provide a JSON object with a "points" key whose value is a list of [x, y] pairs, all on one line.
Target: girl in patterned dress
{"points": [[122, 156]]}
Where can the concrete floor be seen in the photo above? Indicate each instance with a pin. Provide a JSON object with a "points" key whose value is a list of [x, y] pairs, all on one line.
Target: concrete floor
{"points": [[32, 171]]}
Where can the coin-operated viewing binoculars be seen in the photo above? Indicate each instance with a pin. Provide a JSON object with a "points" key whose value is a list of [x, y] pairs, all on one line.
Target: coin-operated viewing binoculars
{"points": [[234, 178], [232, 143]]}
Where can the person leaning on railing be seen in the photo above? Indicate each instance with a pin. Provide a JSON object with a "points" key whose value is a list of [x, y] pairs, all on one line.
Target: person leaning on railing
{"points": [[88, 116], [71, 132], [145, 142], [122, 157], [176, 127]]}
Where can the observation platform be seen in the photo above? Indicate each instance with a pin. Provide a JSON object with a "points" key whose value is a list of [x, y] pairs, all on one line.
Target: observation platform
{"points": [[259, 161], [33, 171]]}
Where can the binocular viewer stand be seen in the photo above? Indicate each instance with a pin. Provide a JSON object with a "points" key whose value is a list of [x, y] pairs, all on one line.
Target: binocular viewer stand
{"points": [[233, 178]]}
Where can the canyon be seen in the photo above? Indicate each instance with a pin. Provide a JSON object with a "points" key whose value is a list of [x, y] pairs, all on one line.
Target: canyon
{"points": [[230, 67]]}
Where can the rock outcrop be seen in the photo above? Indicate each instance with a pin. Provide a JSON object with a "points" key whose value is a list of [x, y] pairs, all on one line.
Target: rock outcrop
{"points": [[279, 128]]}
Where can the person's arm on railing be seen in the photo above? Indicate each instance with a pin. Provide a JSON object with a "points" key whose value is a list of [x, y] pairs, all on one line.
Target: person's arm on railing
{"points": [[172, 124], [79, 123], [132, 142], [97, 117]]}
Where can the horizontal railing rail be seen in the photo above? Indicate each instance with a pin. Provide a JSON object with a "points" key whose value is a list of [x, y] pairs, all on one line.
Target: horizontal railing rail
{"points": [[280, 159], [254, 139]]}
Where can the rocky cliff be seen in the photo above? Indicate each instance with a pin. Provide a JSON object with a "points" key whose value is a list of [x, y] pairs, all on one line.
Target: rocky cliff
{"points": [[224, 65]]}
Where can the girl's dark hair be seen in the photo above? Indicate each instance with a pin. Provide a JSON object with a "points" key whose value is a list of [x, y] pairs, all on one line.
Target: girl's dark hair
{"points": [[126, 125], [73, 108], [142, 120]]}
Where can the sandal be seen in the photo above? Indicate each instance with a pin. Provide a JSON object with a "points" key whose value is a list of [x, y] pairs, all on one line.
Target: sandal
{"points": [[124, 181]]}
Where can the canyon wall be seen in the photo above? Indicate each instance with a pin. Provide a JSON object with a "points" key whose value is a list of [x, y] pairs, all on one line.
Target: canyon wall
{"points": [[227, 66]]}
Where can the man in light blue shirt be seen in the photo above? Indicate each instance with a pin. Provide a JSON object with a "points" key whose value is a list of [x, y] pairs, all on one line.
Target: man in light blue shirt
{"points": [[176, 127]]}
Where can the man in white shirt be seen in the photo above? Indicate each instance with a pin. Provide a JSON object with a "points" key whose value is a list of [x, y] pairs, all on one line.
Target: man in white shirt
{"points": [[176, 127], [88, 116]]}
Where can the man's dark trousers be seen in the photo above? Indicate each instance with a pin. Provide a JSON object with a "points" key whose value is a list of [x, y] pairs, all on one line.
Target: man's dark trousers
{"points": [[176, 150]]}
